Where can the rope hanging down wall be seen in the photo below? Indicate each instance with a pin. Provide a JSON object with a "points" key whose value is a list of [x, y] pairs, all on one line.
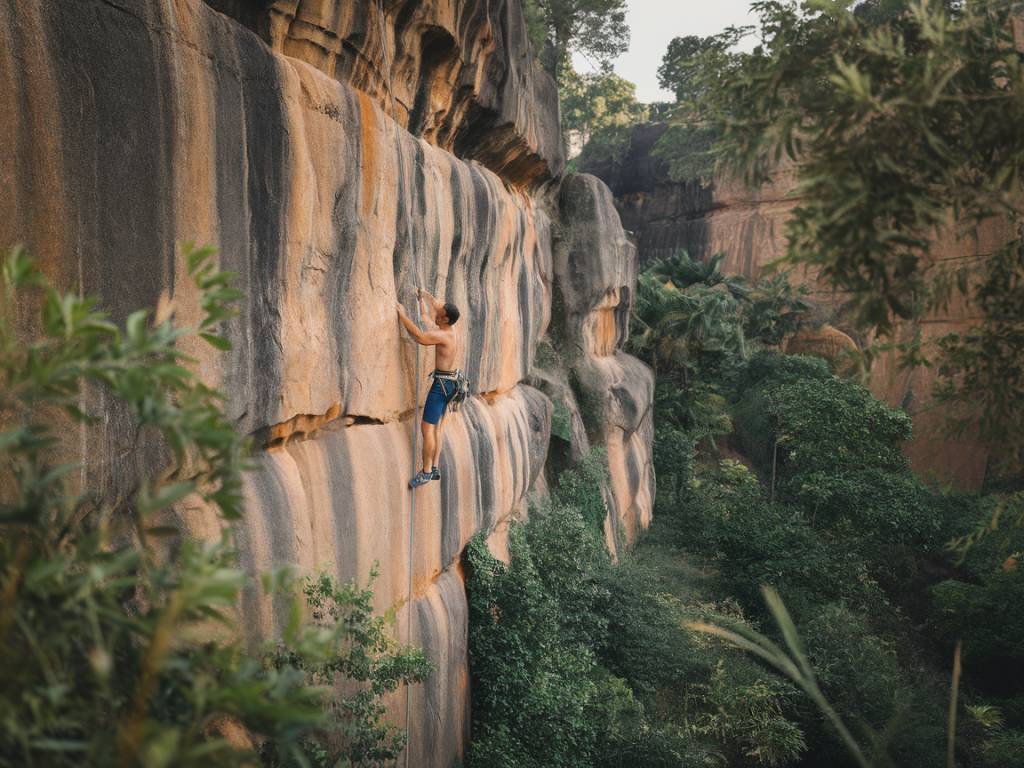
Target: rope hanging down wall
{"points": [[416, 379]]}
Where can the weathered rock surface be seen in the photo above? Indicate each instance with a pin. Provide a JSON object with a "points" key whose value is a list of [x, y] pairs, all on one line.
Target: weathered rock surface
{"points": [[666, 216], [127, 126], [462, 74], [604, 394], [748, 227]]}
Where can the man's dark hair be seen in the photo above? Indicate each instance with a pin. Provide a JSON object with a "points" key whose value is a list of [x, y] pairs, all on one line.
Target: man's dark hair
{"points": [[452, 313]]}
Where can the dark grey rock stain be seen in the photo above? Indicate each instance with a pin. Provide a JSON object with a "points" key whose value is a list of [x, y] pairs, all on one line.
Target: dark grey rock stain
{"points": [[450, 523], [345, 217], [428, 635], [481, 214], [340, 480], [458, 258], [267, 168], [483, 462], [665, 216], [115, 91]]}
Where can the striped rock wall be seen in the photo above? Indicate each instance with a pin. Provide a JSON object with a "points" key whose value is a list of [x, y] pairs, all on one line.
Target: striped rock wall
{"points": [[266, 130]]}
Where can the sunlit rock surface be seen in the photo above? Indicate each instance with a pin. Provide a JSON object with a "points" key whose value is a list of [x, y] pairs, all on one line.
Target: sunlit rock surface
{"points": [[127, 126], [462, 74]]}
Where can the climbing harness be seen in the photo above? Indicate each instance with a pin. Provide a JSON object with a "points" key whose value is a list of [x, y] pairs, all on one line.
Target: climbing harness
{"points": [[416, 380], [461, 381]]}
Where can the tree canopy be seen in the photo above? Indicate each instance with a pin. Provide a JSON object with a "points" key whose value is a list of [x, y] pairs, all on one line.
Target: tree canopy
{"points": [[902, 120], [595, 28]]}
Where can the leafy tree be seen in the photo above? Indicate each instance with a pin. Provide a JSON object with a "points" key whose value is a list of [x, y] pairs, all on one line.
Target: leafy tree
{"points": [[687, 147], [595, 28], [688, 67], [598, 113], [902, 122], [576, 662], [775, 310], [679, 70], [366, 664]]}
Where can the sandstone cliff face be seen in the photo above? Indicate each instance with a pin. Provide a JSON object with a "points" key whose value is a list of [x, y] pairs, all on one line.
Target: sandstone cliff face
{"points": [[748, 227], [462, 74], [605, 395], [263, 128]]}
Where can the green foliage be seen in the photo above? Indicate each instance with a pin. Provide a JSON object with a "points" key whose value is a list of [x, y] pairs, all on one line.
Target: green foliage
{"points": [[595, 28], [680, 332], [583, 489], [577, 662], [900, 118], [118, 639], [695, 326], [366, 664], [598, 113], [971, 603], [572, 570], [754, 542], [1003, 750], [687, 149], [688, 68], [533, 686], [775, 310], [690, 63], [847, 541], [979, 368], [674, 454], [755, 426]]}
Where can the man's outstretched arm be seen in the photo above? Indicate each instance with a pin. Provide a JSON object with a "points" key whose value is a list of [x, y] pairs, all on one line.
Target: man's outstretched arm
{"points": [[435, 304], [426, 314], [427, 338]]}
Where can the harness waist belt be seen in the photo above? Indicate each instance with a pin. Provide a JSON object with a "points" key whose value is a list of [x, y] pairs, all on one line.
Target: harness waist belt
{"points": [[439, 374]]}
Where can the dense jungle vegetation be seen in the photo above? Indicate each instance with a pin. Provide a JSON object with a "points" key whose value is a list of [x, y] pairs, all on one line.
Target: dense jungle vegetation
{"points": [[772, 470], [901, 123]]}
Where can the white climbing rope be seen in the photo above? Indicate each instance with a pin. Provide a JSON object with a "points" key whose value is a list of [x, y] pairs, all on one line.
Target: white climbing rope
{"points": [[416, 379]]}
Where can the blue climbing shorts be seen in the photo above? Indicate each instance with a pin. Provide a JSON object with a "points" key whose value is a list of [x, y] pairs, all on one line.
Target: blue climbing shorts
{"points": [[441, 393]]}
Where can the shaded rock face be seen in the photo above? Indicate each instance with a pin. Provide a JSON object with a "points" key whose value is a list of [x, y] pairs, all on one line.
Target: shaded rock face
{"points": [[664, 217], [703, 219], [748, 227], [462, 74], [603, 394], [128, 126]]}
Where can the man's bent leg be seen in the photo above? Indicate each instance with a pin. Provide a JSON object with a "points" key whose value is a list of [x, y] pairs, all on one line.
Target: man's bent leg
{"points": [[438, 444], [429, 444], [429, 440]]}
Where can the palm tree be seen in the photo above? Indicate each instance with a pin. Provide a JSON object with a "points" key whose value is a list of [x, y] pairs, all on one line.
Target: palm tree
{"points": [[683, 272]]}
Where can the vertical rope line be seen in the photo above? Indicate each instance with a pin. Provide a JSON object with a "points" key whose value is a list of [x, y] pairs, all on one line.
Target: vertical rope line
{"points": [[416, 380]]}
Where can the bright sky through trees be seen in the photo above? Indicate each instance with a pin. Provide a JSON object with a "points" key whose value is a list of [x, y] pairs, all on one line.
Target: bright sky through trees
{"points": [[653, 23]]}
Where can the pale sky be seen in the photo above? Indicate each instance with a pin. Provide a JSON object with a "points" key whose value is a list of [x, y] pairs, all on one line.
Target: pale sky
{"points": [[653, 23]]}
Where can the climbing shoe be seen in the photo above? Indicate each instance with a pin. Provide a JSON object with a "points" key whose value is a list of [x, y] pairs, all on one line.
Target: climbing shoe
{"points": [[420, 479], [434, 474]]}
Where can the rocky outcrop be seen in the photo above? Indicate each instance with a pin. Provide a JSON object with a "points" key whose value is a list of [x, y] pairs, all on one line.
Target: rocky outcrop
{"points": [[602, 395], [462, 74], [263, 128], [748, 227]]}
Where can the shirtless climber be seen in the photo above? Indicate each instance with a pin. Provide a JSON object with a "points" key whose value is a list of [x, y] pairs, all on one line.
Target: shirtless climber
{"points": [[438, 320]]}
